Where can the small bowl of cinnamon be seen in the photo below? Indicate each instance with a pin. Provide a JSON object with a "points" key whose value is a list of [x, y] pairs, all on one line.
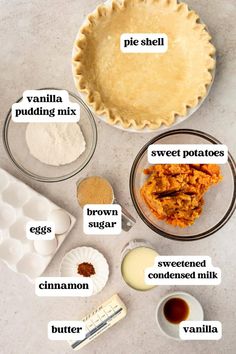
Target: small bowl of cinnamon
{"points": [[86, 262]]}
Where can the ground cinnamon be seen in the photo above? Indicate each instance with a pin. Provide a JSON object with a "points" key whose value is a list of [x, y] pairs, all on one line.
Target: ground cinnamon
{"points": [[86, 269]]}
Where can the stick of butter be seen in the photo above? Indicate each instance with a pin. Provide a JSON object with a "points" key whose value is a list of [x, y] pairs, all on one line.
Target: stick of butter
{"points": [[102, 318]]}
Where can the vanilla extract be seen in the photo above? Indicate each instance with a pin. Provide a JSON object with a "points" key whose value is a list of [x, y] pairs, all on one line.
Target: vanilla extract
{"points": [[176, 310]]}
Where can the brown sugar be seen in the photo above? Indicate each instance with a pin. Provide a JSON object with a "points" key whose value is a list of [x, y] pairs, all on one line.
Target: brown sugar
{"points": [[175, 192], [94, 190]]}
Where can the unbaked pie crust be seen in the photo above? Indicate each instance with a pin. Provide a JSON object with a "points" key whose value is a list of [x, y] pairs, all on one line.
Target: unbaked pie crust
{"points": [[143, 90]]}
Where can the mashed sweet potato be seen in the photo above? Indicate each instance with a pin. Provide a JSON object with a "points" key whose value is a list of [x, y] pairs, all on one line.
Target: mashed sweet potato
{"points": [[174, 193]]}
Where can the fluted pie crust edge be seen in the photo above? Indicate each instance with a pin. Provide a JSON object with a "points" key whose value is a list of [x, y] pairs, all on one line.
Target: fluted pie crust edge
{"points": [[91, 82]]}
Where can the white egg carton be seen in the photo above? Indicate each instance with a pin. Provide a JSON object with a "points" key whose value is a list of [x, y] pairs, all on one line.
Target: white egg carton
{"points": [[19, 204]]}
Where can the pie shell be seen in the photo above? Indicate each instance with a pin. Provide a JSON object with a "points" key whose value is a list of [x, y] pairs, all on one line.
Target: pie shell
{"points": [[94, 98]]}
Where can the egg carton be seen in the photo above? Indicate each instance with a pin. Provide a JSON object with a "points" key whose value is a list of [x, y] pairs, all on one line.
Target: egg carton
{"points": [[19, 204]]}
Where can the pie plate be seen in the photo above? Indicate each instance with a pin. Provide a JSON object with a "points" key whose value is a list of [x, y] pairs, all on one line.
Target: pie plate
{"points": [[163, 127]]}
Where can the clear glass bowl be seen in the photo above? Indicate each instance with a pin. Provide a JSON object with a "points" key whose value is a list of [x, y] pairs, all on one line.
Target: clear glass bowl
{"points": [[220, 201], [135, 271], [17, 149]]}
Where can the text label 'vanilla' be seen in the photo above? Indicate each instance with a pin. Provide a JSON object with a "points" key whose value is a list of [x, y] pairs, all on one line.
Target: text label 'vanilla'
{"points": [[200, 330]]}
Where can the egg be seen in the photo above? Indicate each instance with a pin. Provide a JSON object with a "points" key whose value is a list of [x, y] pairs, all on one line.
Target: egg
{"points": [[45, 247], [61, 219]]}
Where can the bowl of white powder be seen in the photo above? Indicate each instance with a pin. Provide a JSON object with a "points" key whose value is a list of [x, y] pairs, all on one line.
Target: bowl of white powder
{"points": [[51, 152]]}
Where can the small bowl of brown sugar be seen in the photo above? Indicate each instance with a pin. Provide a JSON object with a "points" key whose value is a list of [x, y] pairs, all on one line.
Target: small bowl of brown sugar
{"points": [[98, 190], [94, 190]]}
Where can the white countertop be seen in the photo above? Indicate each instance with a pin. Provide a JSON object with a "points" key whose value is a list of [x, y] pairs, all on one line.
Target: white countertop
{"points": [[36, 40]]}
